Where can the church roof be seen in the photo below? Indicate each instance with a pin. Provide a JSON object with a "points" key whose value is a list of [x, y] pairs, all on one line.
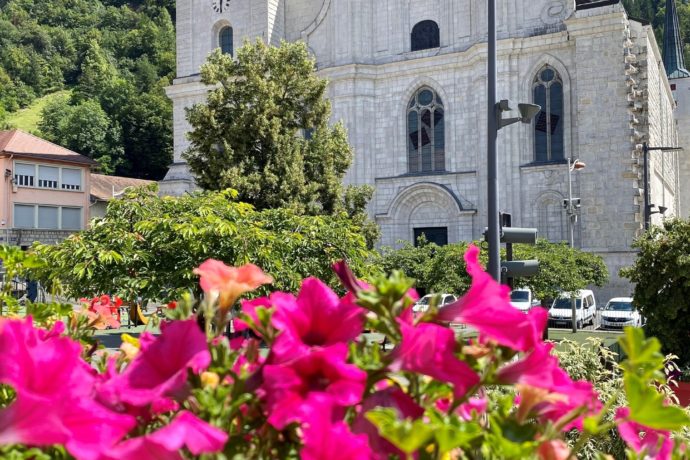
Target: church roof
{"points": [[587, 4], [21, 144], [673, 45]]}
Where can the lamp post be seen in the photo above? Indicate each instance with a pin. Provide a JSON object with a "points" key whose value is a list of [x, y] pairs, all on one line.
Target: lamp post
{"points": [[495, 122], [647, 192], [571, 207], [570, 210]]}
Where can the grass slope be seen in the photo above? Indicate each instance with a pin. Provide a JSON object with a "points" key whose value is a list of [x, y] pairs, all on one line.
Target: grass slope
{"points": [[27, 119]]}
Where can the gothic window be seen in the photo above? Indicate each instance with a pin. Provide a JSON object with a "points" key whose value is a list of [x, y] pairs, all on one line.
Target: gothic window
{"points": [[551, 223], [548, 127], [425, 35], [425, 132], [225, 40]]}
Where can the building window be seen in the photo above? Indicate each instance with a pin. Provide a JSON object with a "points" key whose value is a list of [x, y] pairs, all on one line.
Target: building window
{"points": [[48, 177], [71, 179], [51, 177], [436, 235], [425, 35], [24, 175], [548, 126], [225, 40], [71, 218], [24, 216], [47, 217], [425, 132]]}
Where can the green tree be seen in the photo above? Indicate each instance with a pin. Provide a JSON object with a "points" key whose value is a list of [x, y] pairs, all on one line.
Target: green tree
{"points": [[96, 72], [442, 268], [661, 274], [264, 131], [147, 246], [83, 128]]}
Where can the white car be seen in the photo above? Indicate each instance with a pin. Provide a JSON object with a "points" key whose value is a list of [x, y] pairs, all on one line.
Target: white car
{"points": [[619, 312], [560, 313], [522, 299], [422, 304]]}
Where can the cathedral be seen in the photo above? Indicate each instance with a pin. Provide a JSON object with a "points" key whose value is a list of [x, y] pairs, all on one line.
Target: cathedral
{"points": [[409, 80]]}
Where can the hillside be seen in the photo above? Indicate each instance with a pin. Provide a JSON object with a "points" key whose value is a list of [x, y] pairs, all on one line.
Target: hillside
{"points": [[27, 119], [89, 75]]}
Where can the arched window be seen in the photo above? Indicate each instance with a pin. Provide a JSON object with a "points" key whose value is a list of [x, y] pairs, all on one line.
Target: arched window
{"points": [[548, 127], [551, 223], [425, 35], [426, 144], [225, 40]]}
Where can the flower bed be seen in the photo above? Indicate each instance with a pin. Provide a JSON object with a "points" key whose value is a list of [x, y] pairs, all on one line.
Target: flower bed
{"points": [[319, 392]]}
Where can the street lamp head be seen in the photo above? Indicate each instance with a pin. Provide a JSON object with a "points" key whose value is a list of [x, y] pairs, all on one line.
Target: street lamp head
{"points": [[662, 209], [528, 112], [577, 164]]}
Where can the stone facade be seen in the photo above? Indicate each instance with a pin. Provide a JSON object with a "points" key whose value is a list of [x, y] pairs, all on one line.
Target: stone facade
{"points": [[615, 96]]}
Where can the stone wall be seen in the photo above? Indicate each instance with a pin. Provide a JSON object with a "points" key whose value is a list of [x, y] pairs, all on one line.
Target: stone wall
{"points": [[26, 237]]}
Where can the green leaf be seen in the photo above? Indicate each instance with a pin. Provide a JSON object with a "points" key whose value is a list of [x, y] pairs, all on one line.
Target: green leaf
{"points": [[407, 435], [648, 407]]}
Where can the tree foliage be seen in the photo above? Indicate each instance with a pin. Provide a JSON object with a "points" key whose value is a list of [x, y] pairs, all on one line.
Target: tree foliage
{"points": [[264, 131], [661, 274], [84, 128], [117, 54], [442, 268], [147, 246]]}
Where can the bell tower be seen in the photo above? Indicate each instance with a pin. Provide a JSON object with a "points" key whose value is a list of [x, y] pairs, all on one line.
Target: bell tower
{"points": [[202, 26], [679, 79]]}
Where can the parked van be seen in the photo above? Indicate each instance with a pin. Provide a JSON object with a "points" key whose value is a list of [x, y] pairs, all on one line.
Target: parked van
{"points": [[560, 313], [523, 300]]}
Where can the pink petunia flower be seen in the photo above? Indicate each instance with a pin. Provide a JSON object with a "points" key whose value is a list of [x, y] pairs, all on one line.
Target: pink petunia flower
{"points": [[36, 421], [55, 390], [392, 397], [487, 308], [553, 450], [40, 363], [474, 406], [160, 368], [656, 444], [540, 369], [286, 387], [186, 430], [229, 283], [326, 438], [316, 318], [467, 411], [429, 349]]}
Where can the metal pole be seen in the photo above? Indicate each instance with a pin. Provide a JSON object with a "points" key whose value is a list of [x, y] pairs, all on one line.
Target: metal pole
{"points": [[570, 212], [647, 198], [493, 231]]}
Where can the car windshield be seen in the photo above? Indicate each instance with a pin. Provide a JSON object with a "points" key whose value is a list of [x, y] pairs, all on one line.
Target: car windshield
{"points": [[619, 306], [564, 302], [519, 296], [424, 300]]}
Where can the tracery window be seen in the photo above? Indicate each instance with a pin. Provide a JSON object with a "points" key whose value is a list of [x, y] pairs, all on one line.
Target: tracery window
{"points": [[225, 40], [548, 127], [425, 35], [425, 132]]}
